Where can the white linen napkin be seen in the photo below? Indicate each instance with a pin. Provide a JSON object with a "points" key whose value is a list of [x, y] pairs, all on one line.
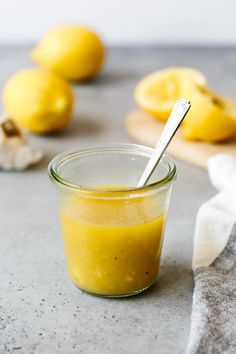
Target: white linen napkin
{"points": [[213, 324], [216, 217]]}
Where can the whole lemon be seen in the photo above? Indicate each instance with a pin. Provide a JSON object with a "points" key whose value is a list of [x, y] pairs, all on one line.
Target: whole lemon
{"points": [[38, 100], [73, 51]]}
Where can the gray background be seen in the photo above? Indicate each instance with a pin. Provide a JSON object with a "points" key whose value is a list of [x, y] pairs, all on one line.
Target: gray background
{"points": [[40, 310]]}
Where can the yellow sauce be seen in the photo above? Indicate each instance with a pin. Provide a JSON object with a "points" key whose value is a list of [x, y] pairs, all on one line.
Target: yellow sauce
{"points": [[113, 247]]}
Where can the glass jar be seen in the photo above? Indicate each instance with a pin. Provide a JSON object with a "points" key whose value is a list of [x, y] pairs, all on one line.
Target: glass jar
{"points": [[112, 230]]}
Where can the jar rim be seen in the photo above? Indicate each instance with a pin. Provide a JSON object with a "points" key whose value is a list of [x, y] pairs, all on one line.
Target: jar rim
{"points": [[55, 164]]}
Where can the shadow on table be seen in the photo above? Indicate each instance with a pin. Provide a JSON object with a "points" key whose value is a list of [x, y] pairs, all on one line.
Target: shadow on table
{"points": [[172, 279], [80, 126], [108, 78], [43, 164]]}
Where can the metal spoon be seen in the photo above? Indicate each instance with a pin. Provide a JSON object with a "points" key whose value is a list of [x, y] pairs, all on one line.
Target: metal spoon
{"points": [[178, 113]]}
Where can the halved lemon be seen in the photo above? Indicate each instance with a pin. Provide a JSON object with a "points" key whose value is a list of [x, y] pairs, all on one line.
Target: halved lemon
{"points": [[211, 118], [158, 92]]}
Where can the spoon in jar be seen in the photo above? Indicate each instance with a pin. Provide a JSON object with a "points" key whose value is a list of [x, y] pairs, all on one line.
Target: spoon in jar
{"points": [[177, 115]]}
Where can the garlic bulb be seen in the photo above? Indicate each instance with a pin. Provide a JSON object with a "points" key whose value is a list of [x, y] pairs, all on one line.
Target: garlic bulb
{"points": [[15, 151]]}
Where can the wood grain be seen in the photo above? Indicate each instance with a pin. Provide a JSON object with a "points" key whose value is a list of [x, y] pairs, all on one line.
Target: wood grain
{"points": [[145, 129]]}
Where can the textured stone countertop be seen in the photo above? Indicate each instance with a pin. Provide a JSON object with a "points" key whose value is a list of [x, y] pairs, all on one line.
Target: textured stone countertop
{"points": [[40, 310]]}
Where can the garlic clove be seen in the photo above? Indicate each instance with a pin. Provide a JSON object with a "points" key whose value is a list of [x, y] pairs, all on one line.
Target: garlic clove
{"points": [[16, 153]]}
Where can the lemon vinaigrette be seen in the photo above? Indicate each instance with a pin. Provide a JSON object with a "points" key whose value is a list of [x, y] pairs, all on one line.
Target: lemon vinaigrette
{"points": [[113, 232], [112, 247]]}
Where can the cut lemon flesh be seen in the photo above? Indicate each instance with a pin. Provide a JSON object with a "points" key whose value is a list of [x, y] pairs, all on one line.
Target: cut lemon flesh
{"points": [[158, 92]]}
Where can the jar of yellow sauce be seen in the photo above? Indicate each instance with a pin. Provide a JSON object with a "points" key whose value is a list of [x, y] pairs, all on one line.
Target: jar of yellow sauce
{"points": [[112, 230]]}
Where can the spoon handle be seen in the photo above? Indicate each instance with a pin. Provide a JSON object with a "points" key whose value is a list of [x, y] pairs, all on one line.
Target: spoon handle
{"points": [[178, 113]]}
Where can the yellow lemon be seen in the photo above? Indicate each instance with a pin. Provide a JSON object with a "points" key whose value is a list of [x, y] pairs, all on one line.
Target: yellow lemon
{"points": [[73, 51], [38, 100], [157, 92], [211, 118]]}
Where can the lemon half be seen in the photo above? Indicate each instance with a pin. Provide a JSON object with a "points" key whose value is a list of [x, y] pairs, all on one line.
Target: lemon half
{"points": [[211, 118], [158, 92]]}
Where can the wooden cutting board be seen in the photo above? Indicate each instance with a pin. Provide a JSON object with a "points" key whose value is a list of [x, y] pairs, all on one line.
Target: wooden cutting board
{"points": [[146, 130]]}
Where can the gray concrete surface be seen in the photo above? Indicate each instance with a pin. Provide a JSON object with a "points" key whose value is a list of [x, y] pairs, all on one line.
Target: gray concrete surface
{"points": [[40, 310]]}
